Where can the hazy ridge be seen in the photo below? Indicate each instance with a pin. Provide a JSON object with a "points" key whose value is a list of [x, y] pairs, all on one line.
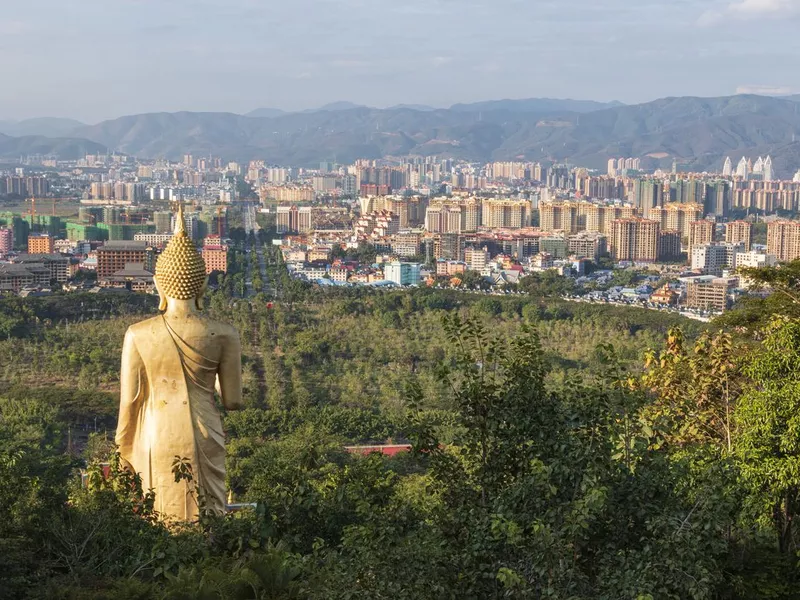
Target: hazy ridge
{"points": [[697, 132]]}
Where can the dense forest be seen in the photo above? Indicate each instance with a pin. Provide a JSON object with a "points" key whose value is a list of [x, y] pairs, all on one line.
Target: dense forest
{"points": [[559, 450]]}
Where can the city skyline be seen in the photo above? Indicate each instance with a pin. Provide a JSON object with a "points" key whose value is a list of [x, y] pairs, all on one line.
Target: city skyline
{"points": [[138, 56]]}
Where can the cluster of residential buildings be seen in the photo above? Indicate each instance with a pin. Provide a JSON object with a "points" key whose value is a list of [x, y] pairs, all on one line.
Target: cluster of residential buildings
{"points": [[41, 252], [428, 219]]}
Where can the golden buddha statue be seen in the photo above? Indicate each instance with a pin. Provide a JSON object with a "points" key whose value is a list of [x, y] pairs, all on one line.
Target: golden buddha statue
{"points": [[171, 366]]}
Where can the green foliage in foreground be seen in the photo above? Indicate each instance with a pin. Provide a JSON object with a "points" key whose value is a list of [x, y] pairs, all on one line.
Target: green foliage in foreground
{"points": [[680, 483], [549, 461]]}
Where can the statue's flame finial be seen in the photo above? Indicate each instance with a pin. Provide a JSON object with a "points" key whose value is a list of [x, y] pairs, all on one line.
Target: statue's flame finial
{"points": [[180, 221]]}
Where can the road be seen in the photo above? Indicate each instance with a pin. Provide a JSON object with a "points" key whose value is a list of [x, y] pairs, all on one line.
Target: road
{"points": [[249, 214], [258, 249], [262, 266]]}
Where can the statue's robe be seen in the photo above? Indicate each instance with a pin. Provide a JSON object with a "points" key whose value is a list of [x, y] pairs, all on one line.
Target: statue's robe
{"points": [[167, 410]]}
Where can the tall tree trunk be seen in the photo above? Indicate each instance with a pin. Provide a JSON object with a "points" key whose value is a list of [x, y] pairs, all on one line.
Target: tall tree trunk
{"points": [[784, 517]]}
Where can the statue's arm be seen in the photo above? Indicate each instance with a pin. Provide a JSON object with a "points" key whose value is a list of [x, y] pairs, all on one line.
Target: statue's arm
{"points": [[230, 373], [133, 385]]}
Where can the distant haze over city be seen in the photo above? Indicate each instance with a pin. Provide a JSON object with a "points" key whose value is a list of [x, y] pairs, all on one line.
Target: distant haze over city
{"points": [[690, 132]]}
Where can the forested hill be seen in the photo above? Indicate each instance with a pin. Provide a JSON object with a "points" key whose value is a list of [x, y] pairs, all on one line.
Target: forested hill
{"points": [[697, 132]]}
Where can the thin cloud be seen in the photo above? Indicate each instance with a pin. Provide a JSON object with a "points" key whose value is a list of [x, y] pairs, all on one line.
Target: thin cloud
{"points": [[761, 8], [751, 9], [765, 90], [14, 28]]}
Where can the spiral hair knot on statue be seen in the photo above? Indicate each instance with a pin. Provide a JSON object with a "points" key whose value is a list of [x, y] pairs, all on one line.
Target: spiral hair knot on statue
{"points": [[180, 270]]}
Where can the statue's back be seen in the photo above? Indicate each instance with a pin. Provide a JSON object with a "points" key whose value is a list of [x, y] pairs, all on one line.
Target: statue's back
{"points": [[174, 362]]}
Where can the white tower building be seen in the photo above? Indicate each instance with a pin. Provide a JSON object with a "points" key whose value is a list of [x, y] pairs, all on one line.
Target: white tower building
{"points": [[727, 168], [741, 169]]}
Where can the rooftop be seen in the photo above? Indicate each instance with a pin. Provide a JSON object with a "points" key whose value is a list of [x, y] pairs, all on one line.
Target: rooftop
{"points": [[123, 245]]}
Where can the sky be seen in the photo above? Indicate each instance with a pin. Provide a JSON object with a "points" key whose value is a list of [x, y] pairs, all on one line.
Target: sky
{"points": [[99, 59]]}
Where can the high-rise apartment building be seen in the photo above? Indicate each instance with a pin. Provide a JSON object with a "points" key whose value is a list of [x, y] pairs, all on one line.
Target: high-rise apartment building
{"points": [[739, 232], [647, 194], [676, 216], [783, 240], [508, 214], [163, 221], [507, 170], [572, 217], [26, 186], [287, 193], [562, 216], [635, 240], [305, 219], [453, 216], [6, 240], [134, 192], [687, 191], [443, 218], [669, 245], [700, 233], [718, 198], [622, 165], [291, 219], [768, 174]]}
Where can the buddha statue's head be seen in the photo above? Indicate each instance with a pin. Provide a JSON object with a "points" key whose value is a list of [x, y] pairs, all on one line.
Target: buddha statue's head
{"points": [[180, 270]]}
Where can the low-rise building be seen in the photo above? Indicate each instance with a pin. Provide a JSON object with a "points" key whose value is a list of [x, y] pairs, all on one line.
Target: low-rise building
{"points": [[294, 255], [665, 295], [542, 261], [114, 256], [709, 259], [215, 255], [477, 259], [311, 272], [402, 273], [450, 267], [134, 277], [57, 266], [406, 244], [709, 293], [319, 253], [15, 277], [153, 239], [755, 260], [41, 243], [339, 274], [556, 246], [588, 244]]}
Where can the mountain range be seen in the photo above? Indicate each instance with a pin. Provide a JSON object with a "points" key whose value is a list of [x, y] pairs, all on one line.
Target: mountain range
{"points": [[696, 132]]}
